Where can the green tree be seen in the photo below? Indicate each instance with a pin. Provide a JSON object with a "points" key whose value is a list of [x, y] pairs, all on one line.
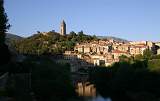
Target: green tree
{"points": [[51, 80], [51, 43], [123, 58], [154, 65], [95, 37], [138, 57], [4, 26], [72, 34], [80, 33], [147, 54]]}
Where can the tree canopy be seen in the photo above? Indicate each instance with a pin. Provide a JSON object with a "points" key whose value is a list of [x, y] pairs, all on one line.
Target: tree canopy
{"points": [[4, 26], [129, 81], [50, 43]]}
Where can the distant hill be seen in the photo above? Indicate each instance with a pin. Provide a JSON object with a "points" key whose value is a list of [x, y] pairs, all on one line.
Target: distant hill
{"points": [[13, 37], [10, 37], [114, 38]]}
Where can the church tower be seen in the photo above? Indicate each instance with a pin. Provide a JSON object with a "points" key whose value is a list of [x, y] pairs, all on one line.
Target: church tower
{"points": [[63, 28]]}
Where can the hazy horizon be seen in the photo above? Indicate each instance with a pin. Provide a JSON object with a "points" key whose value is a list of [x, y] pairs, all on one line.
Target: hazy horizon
{"points": [[128, 19]]}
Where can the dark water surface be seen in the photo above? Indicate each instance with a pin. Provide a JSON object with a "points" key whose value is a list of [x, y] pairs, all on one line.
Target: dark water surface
{"points": [[99, 98]]}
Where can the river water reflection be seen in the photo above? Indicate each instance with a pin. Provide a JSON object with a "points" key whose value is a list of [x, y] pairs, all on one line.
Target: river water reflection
{"points": [[88, 91], [99, 98]]}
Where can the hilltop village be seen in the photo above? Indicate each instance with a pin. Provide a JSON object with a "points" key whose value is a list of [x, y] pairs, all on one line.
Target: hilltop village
{"points": [[105, 53], [82, 50], [45, 55], [78, 66]]}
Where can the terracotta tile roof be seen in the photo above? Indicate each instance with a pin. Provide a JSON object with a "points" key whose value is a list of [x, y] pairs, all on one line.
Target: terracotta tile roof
{"points": [[143, 46], [118, 51]]}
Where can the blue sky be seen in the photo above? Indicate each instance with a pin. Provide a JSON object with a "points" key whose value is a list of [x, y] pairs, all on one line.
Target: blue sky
{"points": [[128, 19]]}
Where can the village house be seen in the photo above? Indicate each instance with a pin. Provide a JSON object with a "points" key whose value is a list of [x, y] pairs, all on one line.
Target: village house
{"points": [[158, 51], [86, 49], [98, 60], [70, 55], [150, 45], [138, 42], [123, 47], [158, 48], [109, 57], [79, 49], [157, 43], [135, 50], [118, 53]]}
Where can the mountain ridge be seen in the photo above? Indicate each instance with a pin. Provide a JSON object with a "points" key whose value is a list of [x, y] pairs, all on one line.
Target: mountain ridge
{"points": [[13, 36], [16, 37], [114, 38]]}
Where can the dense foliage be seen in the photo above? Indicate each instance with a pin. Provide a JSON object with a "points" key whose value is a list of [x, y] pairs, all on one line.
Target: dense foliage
{"points": [[4, 26], [50, 43], [138, 80], [41, 76]]}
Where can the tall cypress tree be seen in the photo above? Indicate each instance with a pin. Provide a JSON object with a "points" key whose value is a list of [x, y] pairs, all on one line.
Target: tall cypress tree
{"points": [[4, 26]]}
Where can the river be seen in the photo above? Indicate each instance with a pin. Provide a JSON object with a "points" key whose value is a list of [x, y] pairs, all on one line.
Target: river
{"points": [[99, 98]]}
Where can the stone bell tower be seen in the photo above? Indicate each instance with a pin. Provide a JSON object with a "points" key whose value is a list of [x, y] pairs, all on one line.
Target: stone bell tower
{"points": [[63, 28]]}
